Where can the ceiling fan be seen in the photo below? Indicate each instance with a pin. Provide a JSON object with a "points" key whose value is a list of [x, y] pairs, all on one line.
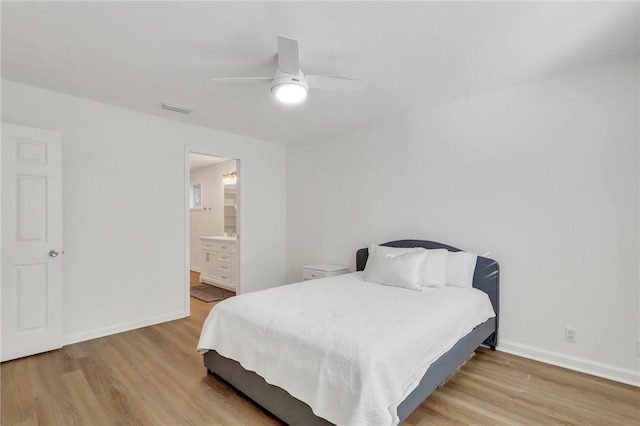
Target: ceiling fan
{"points": [[289, 84]]}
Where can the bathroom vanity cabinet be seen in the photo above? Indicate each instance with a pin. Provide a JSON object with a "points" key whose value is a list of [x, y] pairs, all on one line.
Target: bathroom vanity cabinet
{"points": [[219, 262]]}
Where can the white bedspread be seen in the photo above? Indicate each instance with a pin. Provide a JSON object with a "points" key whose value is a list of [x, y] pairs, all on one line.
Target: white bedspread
{"points": [[350, 349]]}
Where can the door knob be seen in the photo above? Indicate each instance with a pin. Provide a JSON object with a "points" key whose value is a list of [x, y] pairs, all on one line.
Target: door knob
{"points": [[54, 253]]}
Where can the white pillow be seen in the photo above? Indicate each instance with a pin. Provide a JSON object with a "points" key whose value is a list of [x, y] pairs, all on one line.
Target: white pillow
{"points": [[404, 270], [434, 268], [384, 250], [460, 268]]}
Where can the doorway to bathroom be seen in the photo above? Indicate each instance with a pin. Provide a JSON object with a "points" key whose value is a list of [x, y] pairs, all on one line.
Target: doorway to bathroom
{"points": [[213, 227]]}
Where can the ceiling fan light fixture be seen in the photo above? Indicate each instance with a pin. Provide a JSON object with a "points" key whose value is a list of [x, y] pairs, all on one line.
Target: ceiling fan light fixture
{"points": [[289, 88], [289, 93]]}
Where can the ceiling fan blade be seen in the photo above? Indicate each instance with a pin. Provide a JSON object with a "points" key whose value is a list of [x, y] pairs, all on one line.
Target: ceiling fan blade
{"points": [[241, 79], [326, 82], [288, 55]]}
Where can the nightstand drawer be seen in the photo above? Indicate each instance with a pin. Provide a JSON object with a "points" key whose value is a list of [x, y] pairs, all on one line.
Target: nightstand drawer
{"points": [[322, 270], [310, 274]]}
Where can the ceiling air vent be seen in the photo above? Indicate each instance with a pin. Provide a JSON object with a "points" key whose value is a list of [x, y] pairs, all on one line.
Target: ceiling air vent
{"points": [[177, 108]]}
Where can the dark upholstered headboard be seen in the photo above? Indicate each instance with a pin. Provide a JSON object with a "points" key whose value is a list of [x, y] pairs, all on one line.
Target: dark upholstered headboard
{"points": [[485, 278]]}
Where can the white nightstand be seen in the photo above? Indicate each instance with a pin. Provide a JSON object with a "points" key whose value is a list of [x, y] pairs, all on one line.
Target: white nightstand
{"points": [[322, 270]]}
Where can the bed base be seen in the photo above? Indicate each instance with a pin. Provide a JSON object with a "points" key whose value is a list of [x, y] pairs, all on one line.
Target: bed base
{"points": [[445, 366], [272, 398], [295, 412]]}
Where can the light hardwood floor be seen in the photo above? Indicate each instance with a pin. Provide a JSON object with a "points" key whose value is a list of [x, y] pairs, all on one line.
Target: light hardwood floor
{"points": [[153, 376]]}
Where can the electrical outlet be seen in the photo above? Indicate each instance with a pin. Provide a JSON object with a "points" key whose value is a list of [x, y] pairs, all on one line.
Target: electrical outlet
{"points": [[571, 334]]}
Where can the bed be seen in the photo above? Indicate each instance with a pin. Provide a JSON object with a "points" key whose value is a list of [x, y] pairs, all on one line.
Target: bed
{"points": [[292, 410]]}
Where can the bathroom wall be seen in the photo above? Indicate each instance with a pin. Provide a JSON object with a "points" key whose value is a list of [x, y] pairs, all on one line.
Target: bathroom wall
{"points": [[209, 221]]}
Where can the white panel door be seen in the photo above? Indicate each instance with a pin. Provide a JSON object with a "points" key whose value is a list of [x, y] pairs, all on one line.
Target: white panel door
{"points": [[31, 241]]}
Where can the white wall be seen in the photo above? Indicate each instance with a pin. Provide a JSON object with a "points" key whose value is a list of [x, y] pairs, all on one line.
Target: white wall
{"points": [[545, 176], [124, 195], [209, 221]]}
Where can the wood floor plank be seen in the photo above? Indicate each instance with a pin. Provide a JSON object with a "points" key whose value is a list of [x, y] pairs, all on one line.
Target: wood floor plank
{"points": [[109, 389], [153, 376], [89, 410]]}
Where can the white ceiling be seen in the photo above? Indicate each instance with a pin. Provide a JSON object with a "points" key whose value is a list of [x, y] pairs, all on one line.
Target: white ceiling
{"points": [[201, 160], [138, 54]]}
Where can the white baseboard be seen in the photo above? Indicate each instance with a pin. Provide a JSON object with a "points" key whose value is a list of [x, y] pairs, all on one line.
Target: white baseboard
{"points": [[593, 368], [119, 328], [194, 268]]}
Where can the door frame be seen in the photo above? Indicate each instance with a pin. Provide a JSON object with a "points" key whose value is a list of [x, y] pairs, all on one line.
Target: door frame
{"points": [[187, 221]]}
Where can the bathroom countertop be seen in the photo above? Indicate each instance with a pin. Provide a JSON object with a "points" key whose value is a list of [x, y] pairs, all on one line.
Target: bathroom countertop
{"points": [[219, 238]]}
